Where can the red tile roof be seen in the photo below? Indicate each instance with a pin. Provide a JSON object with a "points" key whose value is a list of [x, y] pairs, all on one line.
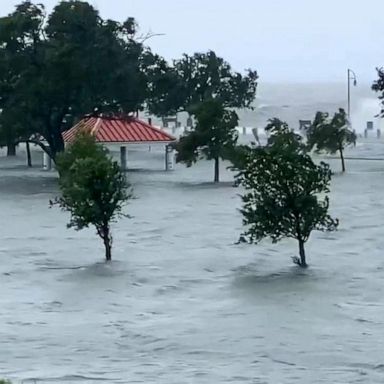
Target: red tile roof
{"points": [[118, 130]]}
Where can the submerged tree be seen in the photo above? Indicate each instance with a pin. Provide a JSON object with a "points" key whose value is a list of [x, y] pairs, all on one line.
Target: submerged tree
{"points": [[331, 135], [205, 86], [282, 186], [214, 136], [94, 190]]}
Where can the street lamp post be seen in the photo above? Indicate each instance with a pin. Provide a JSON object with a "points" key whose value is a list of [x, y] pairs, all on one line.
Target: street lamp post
{"points": [[350, 76]]}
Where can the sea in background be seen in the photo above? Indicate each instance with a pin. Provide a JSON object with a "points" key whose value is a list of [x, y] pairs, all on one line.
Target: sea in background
{"points": [[292, 102]]}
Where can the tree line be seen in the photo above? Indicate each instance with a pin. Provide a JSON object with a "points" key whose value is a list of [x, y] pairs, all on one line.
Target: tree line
{"points": [[56, 68]]}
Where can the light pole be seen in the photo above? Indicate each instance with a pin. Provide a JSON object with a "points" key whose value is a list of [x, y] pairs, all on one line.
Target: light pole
{"points": [[350, 76]]}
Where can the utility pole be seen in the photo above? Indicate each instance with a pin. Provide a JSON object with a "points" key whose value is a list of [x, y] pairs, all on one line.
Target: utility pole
{"points": [[350, 76]]}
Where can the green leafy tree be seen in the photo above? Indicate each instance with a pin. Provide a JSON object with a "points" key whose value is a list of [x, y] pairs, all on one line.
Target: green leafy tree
{"points": [[94, 190], [17, 34], [331, 135], [214, 137], [282, 186], [9, 136], [192, 80], [205, 86], [66, 65]]}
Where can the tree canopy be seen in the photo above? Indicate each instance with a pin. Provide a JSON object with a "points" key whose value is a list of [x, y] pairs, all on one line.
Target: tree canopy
{"points": [[194, 79], [282, 186], [62, 66], [331, 134]]}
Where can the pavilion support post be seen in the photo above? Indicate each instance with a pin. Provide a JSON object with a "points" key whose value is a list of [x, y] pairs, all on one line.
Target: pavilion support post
{"points": [[169, 158], [47, 162], [123, 158]]}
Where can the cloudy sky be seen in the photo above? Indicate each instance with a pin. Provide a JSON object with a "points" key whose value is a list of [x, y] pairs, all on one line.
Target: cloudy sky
{"points": [[292, 40]]}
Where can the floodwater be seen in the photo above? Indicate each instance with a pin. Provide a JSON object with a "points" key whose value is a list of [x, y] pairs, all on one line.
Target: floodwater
{"points": [[181, 303]]}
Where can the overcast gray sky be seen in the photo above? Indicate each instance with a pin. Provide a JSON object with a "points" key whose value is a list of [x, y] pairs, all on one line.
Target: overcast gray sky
{"points": [[294, 40]]}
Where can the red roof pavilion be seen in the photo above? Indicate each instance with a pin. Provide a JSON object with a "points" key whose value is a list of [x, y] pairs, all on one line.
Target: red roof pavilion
{"points": [[119, 130]]}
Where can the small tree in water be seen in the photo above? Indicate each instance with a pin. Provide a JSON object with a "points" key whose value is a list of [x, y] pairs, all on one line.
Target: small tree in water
{"points": [[331, 135], [93, 188], [281, 191], [214, 137]]}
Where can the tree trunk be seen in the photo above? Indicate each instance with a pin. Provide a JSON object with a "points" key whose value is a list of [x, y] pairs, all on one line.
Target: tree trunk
{"points": [[29, 157], [55, 143], [11, 149], [108, 249], [342, 160], [107, 239], [217, 170], [303, 262]]}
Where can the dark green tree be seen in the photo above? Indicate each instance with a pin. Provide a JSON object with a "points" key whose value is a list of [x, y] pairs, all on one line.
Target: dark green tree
{"points": [[331, 135], [18, 32], [66, 65], [213, 138], [282, 186], [205, 86], [94, 190], [188, 82], [10, 135]]}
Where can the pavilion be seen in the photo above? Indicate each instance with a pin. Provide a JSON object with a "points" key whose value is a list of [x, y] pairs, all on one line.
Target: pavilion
{"points": [[123, 131]]}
